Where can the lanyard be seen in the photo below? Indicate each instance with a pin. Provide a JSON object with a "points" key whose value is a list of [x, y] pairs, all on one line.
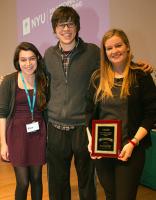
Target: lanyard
{"points": [[31, 104]]}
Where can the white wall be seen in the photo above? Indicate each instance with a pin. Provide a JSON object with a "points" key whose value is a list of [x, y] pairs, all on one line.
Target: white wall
{"points": [[8, 37], [136, 17]]}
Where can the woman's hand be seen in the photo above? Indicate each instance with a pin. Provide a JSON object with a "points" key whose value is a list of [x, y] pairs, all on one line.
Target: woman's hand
{"points": [[126, 152], [90, 145], [5, 152]]}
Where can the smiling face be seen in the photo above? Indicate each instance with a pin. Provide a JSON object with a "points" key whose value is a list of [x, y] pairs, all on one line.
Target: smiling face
{"points": [[116, 51], [66, 33], [66, 25], [27, 62]]}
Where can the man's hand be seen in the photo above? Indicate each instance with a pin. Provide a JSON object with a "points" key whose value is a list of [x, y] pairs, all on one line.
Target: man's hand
{"points": [[1, 79], [145, 66]]}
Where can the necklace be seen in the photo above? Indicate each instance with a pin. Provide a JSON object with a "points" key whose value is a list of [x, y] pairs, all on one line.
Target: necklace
{"points": [[118, 82]]}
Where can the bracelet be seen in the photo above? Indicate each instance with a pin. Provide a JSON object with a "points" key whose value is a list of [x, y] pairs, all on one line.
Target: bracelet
{"points": [[133, 143], [137, 141]]}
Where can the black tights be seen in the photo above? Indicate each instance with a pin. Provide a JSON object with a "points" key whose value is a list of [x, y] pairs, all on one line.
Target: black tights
{"points": [[24, 175]]}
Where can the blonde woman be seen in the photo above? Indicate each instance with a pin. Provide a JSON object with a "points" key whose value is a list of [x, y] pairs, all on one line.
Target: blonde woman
{"points": [[119, 90]]}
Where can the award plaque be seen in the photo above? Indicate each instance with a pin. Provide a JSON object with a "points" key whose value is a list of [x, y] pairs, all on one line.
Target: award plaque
{"points": [[106, 138]]}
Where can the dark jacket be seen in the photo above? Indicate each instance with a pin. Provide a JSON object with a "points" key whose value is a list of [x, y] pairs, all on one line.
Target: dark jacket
{"points": [[67, 102], [141, 105]]}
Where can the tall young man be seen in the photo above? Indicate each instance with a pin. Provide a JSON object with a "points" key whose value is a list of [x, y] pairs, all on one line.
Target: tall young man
{"points": [[70, 64]]}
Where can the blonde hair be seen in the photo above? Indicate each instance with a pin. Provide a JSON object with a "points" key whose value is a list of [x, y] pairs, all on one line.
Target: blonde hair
{"points": [[106, 73]]}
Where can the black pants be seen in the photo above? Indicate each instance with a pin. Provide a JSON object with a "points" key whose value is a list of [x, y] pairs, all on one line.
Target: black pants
{"points": [[62, 145], [119, 179]]}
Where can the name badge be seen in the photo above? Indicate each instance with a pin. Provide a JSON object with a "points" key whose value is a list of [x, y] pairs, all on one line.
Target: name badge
{"points": [[32, 127]]}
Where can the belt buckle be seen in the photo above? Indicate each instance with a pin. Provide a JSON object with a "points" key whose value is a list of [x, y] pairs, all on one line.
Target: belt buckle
{"points": [[67, 128], [58, 126], [63, 128]]}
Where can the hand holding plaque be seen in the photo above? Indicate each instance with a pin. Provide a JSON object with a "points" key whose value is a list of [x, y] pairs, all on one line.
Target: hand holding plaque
{"points": [[106, 138]]}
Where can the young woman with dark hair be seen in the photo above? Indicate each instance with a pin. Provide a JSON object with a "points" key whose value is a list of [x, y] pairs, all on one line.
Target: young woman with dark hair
{"points": [[23, 101]]}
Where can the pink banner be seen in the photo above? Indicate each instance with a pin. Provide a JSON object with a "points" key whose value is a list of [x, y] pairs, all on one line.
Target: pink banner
{"points": [[34, 25]]}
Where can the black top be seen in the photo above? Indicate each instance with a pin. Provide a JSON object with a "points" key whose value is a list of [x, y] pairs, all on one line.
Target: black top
{"points": [[140, 106]]}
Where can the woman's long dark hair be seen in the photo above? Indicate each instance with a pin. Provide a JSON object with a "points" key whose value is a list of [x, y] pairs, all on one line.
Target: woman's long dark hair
{"points": [[40, 73]]}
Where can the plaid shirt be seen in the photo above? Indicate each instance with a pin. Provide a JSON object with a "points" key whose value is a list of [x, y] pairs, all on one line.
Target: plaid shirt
{"points": [[66, 56]]}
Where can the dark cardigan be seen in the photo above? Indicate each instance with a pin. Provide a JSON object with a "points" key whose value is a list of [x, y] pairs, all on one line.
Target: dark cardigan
{"points": [[7, 96]]}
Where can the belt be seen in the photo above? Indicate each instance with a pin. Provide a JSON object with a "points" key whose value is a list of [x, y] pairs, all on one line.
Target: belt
{"points": [[63, 127]]}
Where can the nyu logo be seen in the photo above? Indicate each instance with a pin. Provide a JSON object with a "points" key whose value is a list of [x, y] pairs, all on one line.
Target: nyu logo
{"points": [[29, 24], [26, 26]]}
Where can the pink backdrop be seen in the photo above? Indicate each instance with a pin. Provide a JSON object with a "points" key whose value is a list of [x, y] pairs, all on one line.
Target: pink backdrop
{"points": [[33, 20]]}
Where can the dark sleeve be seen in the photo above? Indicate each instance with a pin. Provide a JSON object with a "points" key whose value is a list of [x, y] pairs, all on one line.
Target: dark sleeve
{"points": [[5, 97], [48, 80], [148, 98], [97, 56], [90, 105]]}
